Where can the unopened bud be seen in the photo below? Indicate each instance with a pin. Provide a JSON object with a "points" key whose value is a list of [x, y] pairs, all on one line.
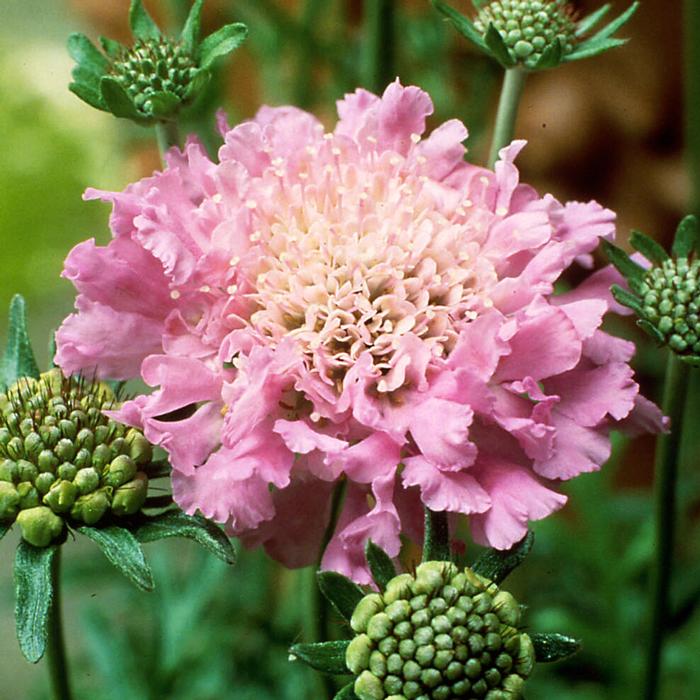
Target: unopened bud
{"points": [[129, 498], [40, 525]]}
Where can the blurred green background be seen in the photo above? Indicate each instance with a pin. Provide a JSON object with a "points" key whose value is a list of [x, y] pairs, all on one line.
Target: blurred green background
{"points": [[609, 129]]}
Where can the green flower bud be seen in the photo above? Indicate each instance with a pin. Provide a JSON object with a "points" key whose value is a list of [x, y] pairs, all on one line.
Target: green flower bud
{"points": [[44, 481], [443, 634], [67, 471], [87, 480], [61, 496], [129, 498], [40, 525], [120, 470], [9, 501], [47, 461], [26, 470], [140, 449], [28, 495], [91, 508], [8, 470]]}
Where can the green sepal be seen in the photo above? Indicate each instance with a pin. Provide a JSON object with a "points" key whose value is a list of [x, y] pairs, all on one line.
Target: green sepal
{"points": [[327, 657], [33, 597], [495, 564], [112, 47], [648, 247], [163, 104], [342, 593], [686, 239], [461, 23], [118, 101], [346, 693], [19, 360], [123, 551], [87, 93], [551, 57], [629, 269], [652, 330], [692, 360], [380, 564], [195, 528], [609, 29], [553, 647], [88, 57], [4, 529], [142, 25], [196, 84], [626, 298], [220, 43], [190, 32], [593, 48], [587, 23], [498, 47]]}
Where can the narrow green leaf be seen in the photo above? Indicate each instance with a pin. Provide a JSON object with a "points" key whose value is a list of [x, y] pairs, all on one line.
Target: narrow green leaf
{"points": [[461, 23], [346, 693], [592, 48], [123, 551], [18, 360], [587, 23], [117, 100], [553, 647], [498, 48], [162, 104], [652, 330], [87, 55], [692, 360], [551, 57], [328, 657], [88, 94], [142, 25], [687, 238], [196, 528], [190, 32], [4, 529], [196, 84], [111, 47], [609, 29], [496, 565], [221, 42], [380, 564], [33, 597], [629, 269], [343, 594], [648, 247], [626, 298]]}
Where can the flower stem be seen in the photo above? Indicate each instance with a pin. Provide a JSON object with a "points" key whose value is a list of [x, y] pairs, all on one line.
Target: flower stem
{"points": [[55, 648], [436, 538], [378, 57], [666, 466], [511, 92], [167, 135]]}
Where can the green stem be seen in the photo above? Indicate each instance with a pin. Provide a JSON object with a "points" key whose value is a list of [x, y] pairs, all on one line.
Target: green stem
{"points": [[436, 537], [511, 92], [307, 53], [55, 647], [168, 135], [377, 68], [666, 466]]}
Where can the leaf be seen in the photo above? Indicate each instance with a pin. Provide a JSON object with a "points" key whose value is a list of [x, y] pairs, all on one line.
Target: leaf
{"points": [[553, 647], [648, 247], [591, 48], [221, 42], [346, 693], [196, 528], [196, 84], [111, 47], [18, 360], [587, 23], [33, 597], [89, 95], [686, 239], [380, 564], [328, 657], [692, 360], [4, 529], [609, 29], [498, 48], [629, 269], [190, 32], [142, 25], [117, 100], [652, 330], [123, 551], [87, 55], [163, 104], [342, 593], [551, 57], [626, 298], [461, 23], [496, 565]]}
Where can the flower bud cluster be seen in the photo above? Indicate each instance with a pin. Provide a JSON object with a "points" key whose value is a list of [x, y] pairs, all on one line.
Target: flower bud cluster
{"points": [[62, 458], [671, 303], [154, 66], [528, 27], [439, 635]]}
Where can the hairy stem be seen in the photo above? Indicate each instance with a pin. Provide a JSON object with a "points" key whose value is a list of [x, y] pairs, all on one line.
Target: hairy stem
{"points": [[55, 647]]}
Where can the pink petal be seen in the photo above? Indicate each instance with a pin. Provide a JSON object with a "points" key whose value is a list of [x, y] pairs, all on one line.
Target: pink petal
{"points": [[375, 456], [300, 437]]}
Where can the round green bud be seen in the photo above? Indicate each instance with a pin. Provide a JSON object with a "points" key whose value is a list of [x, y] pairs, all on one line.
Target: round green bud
{"points": [[357, 654], [28, 495], [140, 450], [87, 480], [370, 605], [369, 687], [120, 470], [44, 481], [90, 509], [9, 501], [61, 496], [129, 498], [39, 526], [8, 470], [67, 471], [26, 470]]}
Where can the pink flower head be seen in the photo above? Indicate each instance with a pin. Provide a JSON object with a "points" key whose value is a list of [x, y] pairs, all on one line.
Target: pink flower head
{"points": [[358, 304]]}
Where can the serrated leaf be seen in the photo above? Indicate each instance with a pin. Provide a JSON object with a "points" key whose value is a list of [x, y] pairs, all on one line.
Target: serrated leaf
{"points": [[220, 43], [33, 597], [341, 592], [122, 551], [111, 47], [626, 298], [551, 57], [4, 529], [346, 693], [327, 657], [495, 564], [652, 330], [142, 25], [190, 32], [87, 55], [553, 647], [587, 23], [629, 269], [380, 564], [686, 239], [18, 360], [648, 247], [461, 23], [191, 527], [592, 48], [89, 95], [163, 104], [498, 48], [117, 100]]}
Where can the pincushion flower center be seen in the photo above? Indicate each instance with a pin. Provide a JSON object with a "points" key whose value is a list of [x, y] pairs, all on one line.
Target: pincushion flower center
{"points": [[358, 258]]}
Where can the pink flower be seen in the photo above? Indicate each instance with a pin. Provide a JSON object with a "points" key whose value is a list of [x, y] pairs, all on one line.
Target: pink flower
{"points": [[358, 304]]}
